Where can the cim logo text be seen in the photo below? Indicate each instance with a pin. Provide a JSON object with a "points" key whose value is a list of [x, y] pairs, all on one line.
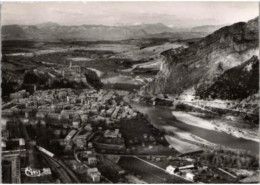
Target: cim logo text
{"points": [[37, 172]]}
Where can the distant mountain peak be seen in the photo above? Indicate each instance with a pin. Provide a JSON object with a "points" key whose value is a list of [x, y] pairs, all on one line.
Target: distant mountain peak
{"points": [[207, 28], [48, 24], [54, 31]]}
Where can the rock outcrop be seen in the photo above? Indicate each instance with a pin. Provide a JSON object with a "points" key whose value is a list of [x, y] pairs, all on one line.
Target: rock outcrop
{"points": [[236, 83], [201, 65]]}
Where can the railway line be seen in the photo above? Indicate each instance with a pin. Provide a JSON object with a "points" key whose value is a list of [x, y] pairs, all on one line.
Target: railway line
{"points": [[56, 167], [67, 176]]}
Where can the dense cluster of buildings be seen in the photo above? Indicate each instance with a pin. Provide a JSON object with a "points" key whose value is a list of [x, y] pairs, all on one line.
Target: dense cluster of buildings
{"points": [[85, 124], [85, 120], [13, 151]]}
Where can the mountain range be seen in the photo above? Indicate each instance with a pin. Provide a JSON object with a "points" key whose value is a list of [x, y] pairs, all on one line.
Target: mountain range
{"points": [[52, 31], [207, 28]]}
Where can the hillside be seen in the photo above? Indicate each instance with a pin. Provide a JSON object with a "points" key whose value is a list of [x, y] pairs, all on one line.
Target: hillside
{"points": [[18, 72], [207, 28], [52, 31], [236, 83], [204, 62]]}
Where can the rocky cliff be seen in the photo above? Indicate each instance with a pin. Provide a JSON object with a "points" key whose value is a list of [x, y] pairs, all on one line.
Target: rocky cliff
{"points": [[235, 83], [200, 65]]}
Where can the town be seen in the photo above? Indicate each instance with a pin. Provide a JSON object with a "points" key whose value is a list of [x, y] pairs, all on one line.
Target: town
{"points": [[130, 93], [90, 136]]}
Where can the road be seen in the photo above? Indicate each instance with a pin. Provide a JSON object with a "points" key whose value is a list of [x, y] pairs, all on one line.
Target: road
{"points": [[201, 104], [148, 172], [135, 155], [158, 167]]}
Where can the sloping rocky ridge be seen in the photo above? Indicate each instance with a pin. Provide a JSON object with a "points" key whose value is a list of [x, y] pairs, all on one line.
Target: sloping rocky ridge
{"points": [[236, 83], [200, 65]]}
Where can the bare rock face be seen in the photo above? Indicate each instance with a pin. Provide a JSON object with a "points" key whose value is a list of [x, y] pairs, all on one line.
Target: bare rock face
{"points": [[203, 62], [236, 83], [252, 29]]}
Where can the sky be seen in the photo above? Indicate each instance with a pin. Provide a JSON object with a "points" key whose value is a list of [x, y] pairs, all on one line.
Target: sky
{"points": [[173, 14]]}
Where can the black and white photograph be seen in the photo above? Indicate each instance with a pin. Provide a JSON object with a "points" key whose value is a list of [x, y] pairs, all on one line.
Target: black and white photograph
{"points": [[130, 92]]}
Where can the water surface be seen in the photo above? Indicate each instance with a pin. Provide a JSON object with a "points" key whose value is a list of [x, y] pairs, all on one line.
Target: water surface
{"points": [[162, 116]]}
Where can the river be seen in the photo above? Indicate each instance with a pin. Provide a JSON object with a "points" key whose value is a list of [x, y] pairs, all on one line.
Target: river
{"points": [[162, 116]]}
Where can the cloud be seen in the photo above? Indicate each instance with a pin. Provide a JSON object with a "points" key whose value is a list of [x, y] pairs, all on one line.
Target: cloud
{"points": [[67, 12], [181, 14]]}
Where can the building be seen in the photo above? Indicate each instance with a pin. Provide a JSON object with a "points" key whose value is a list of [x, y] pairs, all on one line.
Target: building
{"points": [[13, 168], [84, 117], [251, 179], [3, 144], [54, 116], [69, 146], [115, 144], [189, 176], [90, 145], [94, 174], [87, 153], [81, 139], [171, 170], [19, 95], [76, 123], [6, 171], [41, 114], [70, 135], [191, 166], [112, 134], [92, 160], [67, 113], [7, 112], [76, 166], [114, 114], [5, 133], [88, 127], [21, 142], [62, 94]]}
